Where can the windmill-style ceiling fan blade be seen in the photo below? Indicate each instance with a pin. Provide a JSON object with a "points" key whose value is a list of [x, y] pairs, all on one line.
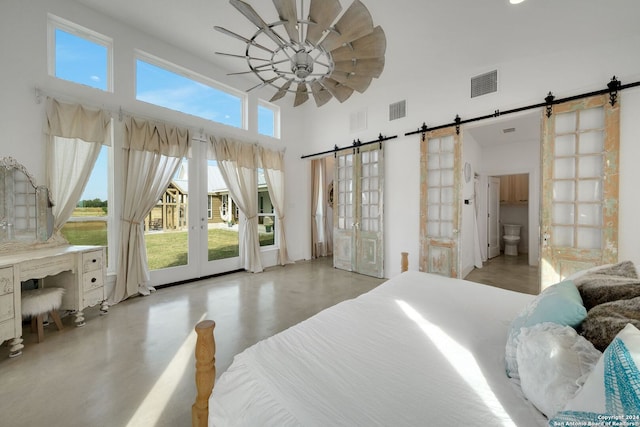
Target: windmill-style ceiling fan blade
{"points": [[356, 22], [264, 83], [302, 95], [370, 46], [250, 13], [241, 56], [359, 83], [282, 91], [244, 39], [320, 93], [362, 67], [323, 13], [341, 92], [287, 12]]}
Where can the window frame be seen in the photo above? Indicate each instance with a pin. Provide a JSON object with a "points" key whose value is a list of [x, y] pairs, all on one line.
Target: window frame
{"points": [[54, 23], [140, 55], [275, 109]]}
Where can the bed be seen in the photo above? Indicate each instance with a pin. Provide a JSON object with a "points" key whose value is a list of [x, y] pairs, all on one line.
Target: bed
{"points": [[419, 349]]}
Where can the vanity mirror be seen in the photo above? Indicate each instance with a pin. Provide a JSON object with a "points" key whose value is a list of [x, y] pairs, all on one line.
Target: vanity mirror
{"points": [[24, 206]]}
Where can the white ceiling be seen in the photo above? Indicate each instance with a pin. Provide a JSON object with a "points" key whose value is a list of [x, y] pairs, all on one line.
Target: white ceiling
{"points": [[472, 34]]}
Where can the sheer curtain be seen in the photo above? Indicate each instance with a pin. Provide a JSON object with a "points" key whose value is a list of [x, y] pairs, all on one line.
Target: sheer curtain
{"points": [[273, 165], [238, 167], [153, 152], [76, 134], [318, 209]]}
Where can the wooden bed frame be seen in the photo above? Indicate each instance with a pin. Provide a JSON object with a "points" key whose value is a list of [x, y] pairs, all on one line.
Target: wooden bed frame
{"points": [[206, 363], [205, 372]]}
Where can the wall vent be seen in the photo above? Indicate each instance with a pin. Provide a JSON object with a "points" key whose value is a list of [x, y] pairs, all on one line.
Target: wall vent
{"points": [[358, 121], [484, 84], [398, 110]]}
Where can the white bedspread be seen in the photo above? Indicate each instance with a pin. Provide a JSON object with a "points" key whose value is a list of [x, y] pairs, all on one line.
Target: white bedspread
{"points": [[419, 350]]}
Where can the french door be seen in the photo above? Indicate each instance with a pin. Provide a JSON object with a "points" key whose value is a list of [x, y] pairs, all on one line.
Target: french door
{"points": [[580, 152], [358, 210], [196, 225], [440, 200]]}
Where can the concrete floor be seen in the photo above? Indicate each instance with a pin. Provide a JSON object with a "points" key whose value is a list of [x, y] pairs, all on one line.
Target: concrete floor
{"points": [[508, 272], [135, 366]]}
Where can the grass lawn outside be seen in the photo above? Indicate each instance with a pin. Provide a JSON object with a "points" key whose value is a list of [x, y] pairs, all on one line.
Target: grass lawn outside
{"points": [[164, 249]]}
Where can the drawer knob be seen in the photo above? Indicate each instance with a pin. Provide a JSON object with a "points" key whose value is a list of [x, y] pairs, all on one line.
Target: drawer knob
{"points": [[94, 260], [93, 280]]}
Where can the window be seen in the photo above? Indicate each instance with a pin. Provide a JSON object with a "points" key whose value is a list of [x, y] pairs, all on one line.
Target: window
{"points": [[79, 55], [268, 119], [169, 86], [89, 222], [266, 214]]}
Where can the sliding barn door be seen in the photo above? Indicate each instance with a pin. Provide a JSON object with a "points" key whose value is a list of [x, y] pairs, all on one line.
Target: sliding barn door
{"points": [[358, 208], [440, 181], [580, 151]]}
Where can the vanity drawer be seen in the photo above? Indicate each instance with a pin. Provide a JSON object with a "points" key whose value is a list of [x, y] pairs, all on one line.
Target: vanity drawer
{"points": [[6, 280], [92, 261], [93, 297], [39, 268], [6, 307], [92, 280]]}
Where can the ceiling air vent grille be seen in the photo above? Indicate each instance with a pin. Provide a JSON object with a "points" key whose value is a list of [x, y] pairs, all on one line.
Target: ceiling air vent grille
{"points": [[484, 83], [358, 121], [397, 110]]}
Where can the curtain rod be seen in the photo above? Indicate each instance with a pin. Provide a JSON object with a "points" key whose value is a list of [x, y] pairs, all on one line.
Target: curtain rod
{"points": [[612, 89], [356, 144]]}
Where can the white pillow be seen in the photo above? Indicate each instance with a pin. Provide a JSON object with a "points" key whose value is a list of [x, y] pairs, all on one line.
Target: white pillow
{"points": [[611, 394], [553, 363]]}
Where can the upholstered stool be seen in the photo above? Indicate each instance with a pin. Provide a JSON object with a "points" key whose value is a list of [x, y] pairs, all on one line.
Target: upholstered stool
{"points": [[38, 302]]}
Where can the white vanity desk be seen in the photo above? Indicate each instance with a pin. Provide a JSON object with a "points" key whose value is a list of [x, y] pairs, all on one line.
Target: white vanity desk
{"points": [[80, 270]]}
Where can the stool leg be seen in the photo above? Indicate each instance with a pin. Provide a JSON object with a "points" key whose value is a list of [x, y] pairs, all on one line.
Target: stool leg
{"points": [[34, 324], [56, 319], [40, 328]]}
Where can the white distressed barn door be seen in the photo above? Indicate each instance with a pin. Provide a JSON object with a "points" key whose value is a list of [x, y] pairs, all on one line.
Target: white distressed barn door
{"points": [[358, 210], [580, 153], [440, 202]]}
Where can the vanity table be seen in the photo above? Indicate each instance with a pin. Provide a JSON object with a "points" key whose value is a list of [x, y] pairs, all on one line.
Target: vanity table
{"points": [[28, 251]]}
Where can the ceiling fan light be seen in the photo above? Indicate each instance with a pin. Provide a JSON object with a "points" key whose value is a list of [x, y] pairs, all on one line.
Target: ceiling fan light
{"points": [[302, 64], [515, 1]]}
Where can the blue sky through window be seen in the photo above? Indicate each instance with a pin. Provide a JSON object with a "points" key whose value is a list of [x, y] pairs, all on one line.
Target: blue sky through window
{"points": [[80, 60], [266, 122], [159, 86]]}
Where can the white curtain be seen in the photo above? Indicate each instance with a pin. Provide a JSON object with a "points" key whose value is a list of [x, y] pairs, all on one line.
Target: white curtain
{"points": [[319, 244], [273, 166], [238, 167], [153, 152], [76, 134]]}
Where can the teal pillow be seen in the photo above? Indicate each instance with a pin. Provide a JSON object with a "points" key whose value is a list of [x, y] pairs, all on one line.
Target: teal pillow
{"points": [[560, 303]]}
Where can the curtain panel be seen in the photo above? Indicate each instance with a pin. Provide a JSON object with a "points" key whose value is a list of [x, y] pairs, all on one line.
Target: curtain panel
{"points": [[75, 135], [273, 166], [238, 167], [153, 152]]}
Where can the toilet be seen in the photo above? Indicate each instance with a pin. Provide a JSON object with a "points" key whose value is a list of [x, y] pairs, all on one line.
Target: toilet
{"points": [[511, 239]]}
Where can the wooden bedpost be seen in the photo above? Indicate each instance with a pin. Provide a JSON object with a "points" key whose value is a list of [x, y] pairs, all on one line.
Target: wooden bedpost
{"points": [[404, 261], [205, 372]]}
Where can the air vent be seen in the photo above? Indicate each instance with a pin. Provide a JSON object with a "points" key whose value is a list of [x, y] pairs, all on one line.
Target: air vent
{"points": [[484, 84], [397, 110], [359, 121]]}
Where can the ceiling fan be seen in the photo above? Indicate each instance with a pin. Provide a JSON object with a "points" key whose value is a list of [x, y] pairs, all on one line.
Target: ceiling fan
{"points": [[314, 54]]}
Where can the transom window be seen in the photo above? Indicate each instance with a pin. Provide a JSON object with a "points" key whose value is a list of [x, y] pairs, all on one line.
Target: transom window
{"points": [[170, 86], [80, 55], [268, 119]]}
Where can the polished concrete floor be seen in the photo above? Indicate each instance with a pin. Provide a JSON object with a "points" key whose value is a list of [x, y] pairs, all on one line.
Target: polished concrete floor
{"points": [[508, 272], [135, 365]]}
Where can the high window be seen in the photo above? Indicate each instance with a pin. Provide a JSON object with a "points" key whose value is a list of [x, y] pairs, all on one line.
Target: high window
{"points": [[79, 55], [268, 119], [170, 86]]}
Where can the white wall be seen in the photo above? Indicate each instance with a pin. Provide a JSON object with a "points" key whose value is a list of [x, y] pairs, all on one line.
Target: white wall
{"points": [[522, 82], [23, 53], [471, 153]]}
